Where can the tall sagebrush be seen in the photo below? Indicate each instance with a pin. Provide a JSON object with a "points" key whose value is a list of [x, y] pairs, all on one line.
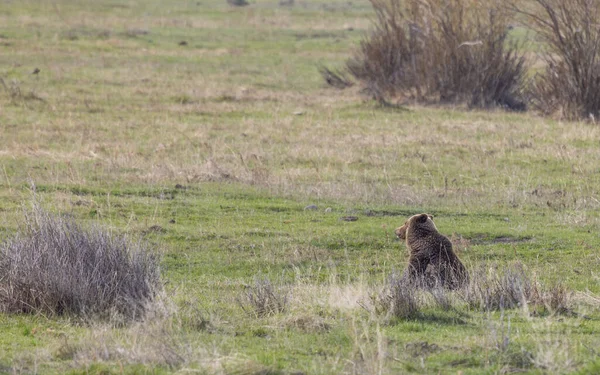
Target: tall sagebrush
{"points": [[452, 51], [55, 266]]}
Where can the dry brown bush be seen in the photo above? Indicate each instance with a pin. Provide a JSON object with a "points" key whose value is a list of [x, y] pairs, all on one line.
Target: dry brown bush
{"points": [[55, 266], [448, 51], [570, 84]]}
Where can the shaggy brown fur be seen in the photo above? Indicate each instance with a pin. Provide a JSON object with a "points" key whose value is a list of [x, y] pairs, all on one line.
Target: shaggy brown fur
{"points": [[432, 259]]}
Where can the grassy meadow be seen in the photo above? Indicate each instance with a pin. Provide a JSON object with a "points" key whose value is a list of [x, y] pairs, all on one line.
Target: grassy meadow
{"points": [[207, 130]]}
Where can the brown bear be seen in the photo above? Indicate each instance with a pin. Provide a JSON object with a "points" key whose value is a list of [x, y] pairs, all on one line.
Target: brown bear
{"points": [[432, 260]]}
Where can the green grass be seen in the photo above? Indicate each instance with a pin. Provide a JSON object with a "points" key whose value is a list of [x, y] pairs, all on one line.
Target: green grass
{"points": [[213, 150]]}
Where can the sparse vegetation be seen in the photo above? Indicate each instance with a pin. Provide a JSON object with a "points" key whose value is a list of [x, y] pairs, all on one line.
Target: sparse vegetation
{"points": [[212, 151], [490, 288], [495, 288], [54, 266]]}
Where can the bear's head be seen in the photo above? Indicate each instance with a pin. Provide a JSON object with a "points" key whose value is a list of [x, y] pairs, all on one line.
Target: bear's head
{"points": [[421, 221]]}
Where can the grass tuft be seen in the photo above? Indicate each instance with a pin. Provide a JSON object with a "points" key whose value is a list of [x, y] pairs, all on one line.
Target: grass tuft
{"points": [[399, 300], [492, 288], [263, 299]]}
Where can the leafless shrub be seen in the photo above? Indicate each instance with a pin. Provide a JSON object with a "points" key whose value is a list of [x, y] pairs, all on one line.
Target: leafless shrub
{"points": [[263, 299], [570, 85], [55, 266], [386, 60], [454, 51]]}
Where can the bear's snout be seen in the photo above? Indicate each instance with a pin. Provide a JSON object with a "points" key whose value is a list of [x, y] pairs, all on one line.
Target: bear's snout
{"points": [[401, 232]]}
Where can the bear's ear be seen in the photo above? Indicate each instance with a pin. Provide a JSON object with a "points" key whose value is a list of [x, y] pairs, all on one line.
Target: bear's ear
{"points": [[430, 216], [422, 218]]}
